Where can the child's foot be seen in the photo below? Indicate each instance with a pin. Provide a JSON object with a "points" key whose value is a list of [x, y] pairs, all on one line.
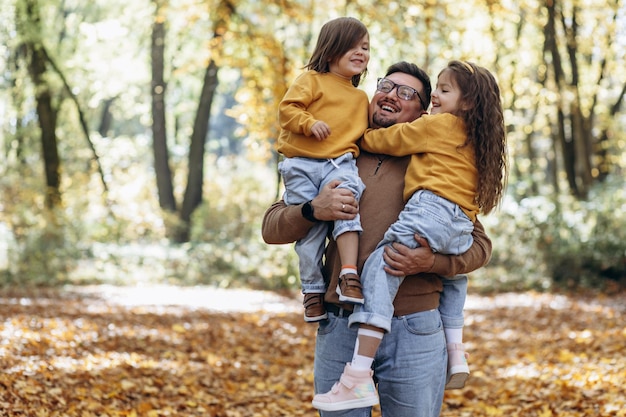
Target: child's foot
{"points": [[355, 389], [314, 307], [458, 370], [349, 289]]}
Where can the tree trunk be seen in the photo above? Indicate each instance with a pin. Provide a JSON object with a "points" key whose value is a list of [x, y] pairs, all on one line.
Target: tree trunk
{"points": [[581, 135], [603, 146], [106, 118], [193, 192], [165, 187], [572, 139], [46, 113]]}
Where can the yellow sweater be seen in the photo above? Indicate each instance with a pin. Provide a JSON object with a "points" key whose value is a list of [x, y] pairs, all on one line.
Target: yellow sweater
{"points": [[437, 163], [327, 97]]}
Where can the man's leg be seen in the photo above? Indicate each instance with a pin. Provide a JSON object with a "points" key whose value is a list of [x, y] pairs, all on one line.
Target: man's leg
{"points": [[334, 348], [411, 366]]}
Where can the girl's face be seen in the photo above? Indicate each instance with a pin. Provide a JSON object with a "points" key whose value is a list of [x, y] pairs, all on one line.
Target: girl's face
{"points": [[446, 98], [354, 61]]}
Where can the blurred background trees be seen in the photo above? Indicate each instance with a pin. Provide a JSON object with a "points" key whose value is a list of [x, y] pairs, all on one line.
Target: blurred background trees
{"points": [[137, 137]]}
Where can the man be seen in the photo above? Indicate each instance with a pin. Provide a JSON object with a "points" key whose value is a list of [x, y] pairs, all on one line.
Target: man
{"points": [[410, 364]]}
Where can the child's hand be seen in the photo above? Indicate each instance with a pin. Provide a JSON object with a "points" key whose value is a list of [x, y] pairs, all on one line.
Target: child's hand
{"points": [[320, 130]]}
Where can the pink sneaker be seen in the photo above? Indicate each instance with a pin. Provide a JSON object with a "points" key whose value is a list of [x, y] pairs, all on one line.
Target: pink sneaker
{"points": [[355, 389], [458, 370]]}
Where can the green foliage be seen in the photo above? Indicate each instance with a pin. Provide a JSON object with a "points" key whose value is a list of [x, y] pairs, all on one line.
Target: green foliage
{"points": [[538, 243], [84, 243], [563, 245], [40, 247], [586, 245], [227, 248], [101, 48]]}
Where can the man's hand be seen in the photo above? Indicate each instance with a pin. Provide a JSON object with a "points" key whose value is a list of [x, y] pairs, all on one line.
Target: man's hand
{"points": [[320, 130], [402, 261], [334, 203]]}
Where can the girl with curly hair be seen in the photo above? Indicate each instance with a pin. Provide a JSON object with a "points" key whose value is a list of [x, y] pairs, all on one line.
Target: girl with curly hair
{"points": [[457, 170]]}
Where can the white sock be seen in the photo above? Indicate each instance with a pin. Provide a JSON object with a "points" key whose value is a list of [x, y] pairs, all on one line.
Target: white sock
{"points": [[454, 335], [360, 362], [345, 271]]}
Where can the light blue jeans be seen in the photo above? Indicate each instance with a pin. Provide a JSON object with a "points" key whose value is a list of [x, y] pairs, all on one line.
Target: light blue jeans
{"points": [[304, 178], [409, 367], [452, 301], [447, 229]]}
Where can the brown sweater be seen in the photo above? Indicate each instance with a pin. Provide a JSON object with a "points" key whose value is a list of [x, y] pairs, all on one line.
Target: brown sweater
{"points": [[379, 207]]}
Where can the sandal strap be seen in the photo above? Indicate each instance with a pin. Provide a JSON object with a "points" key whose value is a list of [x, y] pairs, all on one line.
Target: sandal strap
{"points": [[312, 299], [351, 280]]}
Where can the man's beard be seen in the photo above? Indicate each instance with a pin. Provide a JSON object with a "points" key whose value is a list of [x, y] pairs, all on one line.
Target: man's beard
{"points": [[382, 121]]}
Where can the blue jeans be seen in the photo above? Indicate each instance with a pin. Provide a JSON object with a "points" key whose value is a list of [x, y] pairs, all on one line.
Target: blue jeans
{"points": [[447, 229], [304, 178], [409, 367], [452, 301]]}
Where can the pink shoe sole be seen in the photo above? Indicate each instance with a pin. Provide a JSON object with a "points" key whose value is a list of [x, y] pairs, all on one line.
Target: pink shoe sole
{"points": [[346, 405], [457, 381]]}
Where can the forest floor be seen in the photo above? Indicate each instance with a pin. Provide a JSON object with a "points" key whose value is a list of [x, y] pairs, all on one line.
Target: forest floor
{"points": [[172, 351]]}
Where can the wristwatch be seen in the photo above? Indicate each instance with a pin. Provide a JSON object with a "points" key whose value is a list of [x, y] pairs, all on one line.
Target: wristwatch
{"points": [[307, 212]]}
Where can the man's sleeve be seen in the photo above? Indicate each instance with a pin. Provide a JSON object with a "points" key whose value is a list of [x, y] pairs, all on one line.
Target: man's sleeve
{"points": [[476, 257], [284, 224]]}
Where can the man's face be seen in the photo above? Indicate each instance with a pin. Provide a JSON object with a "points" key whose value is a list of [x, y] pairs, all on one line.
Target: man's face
{"points": [[387, 109]]}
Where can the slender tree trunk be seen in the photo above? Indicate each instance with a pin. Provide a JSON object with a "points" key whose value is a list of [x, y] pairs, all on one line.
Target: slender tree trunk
{"points": [[81, 117], [193, 192], [165, 187], [195, 177], [603, 146], [106, 118], [18, 97], [566, 142], [581, 136], [47, 114]]}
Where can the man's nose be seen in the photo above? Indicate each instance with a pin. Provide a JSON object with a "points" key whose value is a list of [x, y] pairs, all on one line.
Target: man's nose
{"points": [[393, 93]]}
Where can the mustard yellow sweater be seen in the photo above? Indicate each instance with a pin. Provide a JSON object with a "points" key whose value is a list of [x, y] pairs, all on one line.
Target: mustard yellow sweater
{"points": [[438, 163], [329, 98]]}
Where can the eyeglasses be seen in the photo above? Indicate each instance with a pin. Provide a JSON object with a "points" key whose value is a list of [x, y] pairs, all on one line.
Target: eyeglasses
{"points": [[403, 91]]}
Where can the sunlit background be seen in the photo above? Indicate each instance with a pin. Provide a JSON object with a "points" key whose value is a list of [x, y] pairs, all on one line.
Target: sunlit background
{"points": [[559, 65]]}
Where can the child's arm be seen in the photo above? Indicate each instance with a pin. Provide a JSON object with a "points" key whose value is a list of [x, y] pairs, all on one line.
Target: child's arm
{"points": [[401, 139], [293, 114]]}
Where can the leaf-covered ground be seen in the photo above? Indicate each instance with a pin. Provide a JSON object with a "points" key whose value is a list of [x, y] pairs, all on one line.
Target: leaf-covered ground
{"points": [[157, 351]]}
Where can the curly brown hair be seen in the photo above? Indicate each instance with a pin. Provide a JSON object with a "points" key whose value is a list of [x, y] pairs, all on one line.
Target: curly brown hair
{"points": [[337, 37], [484, 122]]}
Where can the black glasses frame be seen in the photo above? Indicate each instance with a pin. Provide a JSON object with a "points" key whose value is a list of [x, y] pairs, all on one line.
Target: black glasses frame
{"points": [[398, 87]]}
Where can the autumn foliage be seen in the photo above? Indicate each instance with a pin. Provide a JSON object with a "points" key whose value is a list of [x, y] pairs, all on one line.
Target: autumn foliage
{"points": [[103, 352]]}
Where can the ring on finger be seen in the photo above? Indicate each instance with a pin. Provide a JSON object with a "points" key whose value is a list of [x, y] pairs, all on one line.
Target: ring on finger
{"points": [[343, 207]]}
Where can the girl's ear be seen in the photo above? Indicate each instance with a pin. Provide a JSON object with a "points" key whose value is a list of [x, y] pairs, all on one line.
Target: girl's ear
{"points": [[466, 105]]}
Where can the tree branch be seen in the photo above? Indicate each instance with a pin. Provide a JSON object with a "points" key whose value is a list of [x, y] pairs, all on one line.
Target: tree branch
{"points": [[81, 116]]}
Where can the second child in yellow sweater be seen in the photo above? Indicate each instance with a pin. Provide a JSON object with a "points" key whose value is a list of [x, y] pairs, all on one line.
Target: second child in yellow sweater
{"points": [[457, 169], [322, 116]]}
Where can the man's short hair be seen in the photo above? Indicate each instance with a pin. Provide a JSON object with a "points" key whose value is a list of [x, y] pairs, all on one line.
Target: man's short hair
{"points": [[417, 72]]}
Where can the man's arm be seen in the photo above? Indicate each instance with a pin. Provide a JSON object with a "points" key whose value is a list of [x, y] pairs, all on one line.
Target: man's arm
{"points": [[477, 256], [404, 261], [285, 224]]}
